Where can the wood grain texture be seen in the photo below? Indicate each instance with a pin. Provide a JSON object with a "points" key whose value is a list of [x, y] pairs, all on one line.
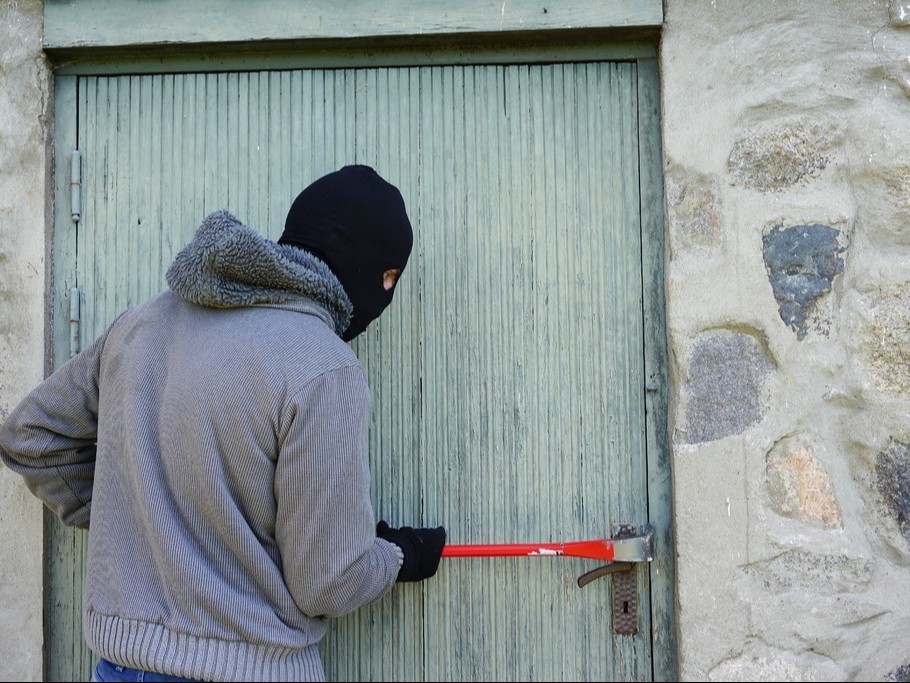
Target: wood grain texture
{"points": [[113, 23]]}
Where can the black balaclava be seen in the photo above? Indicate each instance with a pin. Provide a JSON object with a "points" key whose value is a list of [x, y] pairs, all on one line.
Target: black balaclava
{"points": [[357, 223]]}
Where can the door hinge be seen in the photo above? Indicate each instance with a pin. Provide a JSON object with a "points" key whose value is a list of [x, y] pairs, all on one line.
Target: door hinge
{"points": [[76, 186], [75, 310]]}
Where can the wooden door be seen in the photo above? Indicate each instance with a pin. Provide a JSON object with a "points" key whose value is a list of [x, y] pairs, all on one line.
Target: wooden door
{"points": [[517, 378]]}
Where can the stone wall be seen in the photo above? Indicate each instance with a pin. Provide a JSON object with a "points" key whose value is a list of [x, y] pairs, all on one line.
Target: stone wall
{"points": [[788, 302], [25, 116]]}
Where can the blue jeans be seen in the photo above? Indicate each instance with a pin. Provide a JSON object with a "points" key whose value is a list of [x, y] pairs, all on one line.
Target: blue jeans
{"points": [[108, 671]]}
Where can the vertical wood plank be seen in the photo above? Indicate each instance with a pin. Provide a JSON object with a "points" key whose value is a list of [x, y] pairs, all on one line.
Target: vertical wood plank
{"points": [[66, 657], [662, 573]]}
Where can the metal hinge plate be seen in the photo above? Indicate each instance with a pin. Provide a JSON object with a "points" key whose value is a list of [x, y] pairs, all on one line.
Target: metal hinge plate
{"points": [[75, 319]]}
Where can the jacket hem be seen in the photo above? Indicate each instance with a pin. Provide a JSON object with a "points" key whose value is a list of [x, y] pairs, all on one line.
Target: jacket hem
{"points": [[154, 647]]}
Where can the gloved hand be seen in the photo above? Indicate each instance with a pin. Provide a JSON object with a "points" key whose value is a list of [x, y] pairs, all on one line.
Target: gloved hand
{"points": [[422, 549]]}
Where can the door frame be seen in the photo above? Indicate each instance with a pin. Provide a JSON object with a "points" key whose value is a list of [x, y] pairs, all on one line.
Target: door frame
{"points": [[542, 46]]}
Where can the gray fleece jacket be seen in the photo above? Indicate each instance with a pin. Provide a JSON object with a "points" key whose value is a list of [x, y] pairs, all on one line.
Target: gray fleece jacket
{"points": [[214, 441]]}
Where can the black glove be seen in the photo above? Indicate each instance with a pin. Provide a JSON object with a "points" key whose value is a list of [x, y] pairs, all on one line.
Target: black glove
{"points": [[422, 549]]}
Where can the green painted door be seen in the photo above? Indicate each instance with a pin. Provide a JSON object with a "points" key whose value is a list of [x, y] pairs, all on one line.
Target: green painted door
{"points": [[517, 378]]}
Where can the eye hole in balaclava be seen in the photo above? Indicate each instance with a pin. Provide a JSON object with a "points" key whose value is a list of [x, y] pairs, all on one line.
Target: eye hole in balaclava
{"points": [[356, 222]]}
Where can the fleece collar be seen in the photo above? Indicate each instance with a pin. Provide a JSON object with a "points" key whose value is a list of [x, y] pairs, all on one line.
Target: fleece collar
{"points": [[228, 265]]}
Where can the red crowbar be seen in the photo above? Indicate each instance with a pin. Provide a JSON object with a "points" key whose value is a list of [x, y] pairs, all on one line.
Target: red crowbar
{"points": [[618, 553], [636, 549]]}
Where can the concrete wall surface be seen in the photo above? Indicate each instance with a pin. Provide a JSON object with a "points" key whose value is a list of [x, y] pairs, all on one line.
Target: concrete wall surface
{"points": [[25, 121], [787, 190]]}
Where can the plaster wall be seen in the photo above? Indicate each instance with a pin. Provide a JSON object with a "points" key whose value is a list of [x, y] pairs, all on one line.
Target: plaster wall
{"points": [[787, 180], [24, 194]]}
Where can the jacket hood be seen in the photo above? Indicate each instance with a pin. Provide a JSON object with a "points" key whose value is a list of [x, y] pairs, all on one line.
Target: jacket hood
{"points": [[229, 265]]}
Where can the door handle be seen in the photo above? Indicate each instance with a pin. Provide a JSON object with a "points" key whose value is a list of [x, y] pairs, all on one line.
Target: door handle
{"points": [[636, 549], [629, 548]]}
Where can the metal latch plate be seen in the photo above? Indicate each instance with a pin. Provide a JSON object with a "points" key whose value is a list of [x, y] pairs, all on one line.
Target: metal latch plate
{"points": [[625, 591], [625, 601]]}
